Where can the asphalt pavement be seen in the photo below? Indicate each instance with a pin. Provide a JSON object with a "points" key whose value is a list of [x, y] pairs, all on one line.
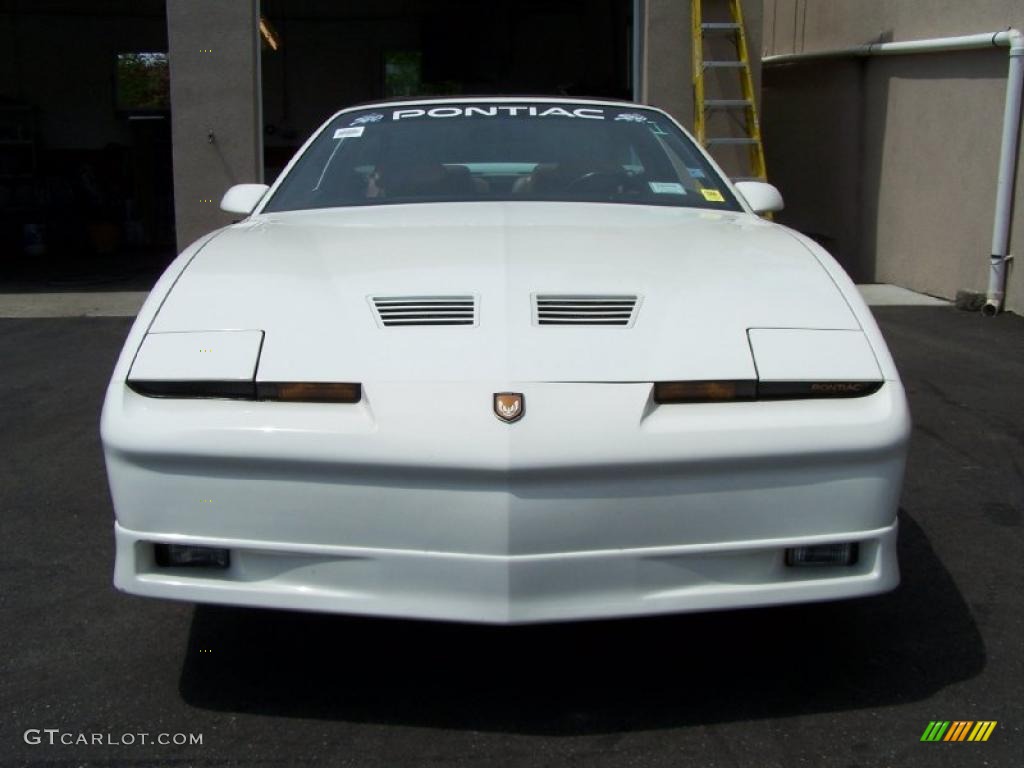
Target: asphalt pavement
{"points": [[844, 684]]}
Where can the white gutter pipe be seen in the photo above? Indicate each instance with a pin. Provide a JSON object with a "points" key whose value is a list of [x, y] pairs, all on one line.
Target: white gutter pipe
{"points": [[1012, 39]]}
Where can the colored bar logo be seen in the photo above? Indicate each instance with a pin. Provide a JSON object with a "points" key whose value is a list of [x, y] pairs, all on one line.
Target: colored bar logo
{"points": [[958, 730]]}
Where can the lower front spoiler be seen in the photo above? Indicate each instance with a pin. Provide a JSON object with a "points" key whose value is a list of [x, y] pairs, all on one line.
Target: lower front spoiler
{"points": [[507, 590]]}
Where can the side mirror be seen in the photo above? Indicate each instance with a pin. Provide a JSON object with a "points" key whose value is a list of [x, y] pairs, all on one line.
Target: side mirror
{"points": [[242, 198], [761, 197]]}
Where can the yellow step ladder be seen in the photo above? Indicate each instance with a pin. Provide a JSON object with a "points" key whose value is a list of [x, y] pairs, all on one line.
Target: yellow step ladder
{"points": [[749, 131]]}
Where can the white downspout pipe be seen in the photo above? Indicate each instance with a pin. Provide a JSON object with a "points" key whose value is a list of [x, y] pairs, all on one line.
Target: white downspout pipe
{"points": [[1012, 39], [1007, 171]]}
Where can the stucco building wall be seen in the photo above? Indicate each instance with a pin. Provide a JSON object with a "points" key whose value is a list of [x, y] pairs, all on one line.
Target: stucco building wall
{"points": [[215, 107], [891, 162]]}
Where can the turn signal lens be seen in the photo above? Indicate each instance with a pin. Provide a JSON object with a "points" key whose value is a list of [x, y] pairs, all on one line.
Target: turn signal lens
{"points": [[294, 392], [309, 392], [703, 391], [722, 391]]}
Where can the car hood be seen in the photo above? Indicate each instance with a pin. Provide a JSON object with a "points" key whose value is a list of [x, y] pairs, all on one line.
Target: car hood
{"points": [[307, 279]]}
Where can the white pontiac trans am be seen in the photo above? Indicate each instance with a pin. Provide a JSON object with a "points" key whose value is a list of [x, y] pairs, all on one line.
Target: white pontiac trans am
{"points": [[505, 361]]}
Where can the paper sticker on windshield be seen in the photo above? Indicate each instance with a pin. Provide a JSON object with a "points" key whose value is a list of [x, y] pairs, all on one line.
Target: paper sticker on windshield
{"points": [[712, 195], [349, 133], [667, 187], [376, 117], [696, 173]]}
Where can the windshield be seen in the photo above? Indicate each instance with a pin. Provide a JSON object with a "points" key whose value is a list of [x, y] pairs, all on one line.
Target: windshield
{"points": [[501, 151]]}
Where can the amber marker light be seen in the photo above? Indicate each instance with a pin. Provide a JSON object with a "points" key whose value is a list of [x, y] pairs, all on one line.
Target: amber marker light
{"points": [[703, 391], [309, 392]]}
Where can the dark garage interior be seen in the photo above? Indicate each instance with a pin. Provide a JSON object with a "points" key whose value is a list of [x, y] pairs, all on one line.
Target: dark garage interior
{"points": [[85, 147], [322, 55], [86, 188]]}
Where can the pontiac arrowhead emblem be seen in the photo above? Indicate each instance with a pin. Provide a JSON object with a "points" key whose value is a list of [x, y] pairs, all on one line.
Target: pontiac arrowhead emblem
{"points": [[509, 406]]}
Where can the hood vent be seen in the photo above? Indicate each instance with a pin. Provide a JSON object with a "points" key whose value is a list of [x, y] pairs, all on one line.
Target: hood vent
{"points": [[424, 310], [549, 309]]}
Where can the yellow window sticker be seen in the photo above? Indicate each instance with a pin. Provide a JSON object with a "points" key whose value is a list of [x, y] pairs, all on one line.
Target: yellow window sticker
{"points": [[712, 195]]}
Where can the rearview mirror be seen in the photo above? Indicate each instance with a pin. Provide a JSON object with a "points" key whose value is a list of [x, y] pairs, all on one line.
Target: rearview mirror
{"points": [[242, 198], [761, 197]]}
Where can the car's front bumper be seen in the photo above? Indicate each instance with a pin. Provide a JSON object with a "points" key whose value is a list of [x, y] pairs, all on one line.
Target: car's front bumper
{"points": [[598, 503], [508, 590]]}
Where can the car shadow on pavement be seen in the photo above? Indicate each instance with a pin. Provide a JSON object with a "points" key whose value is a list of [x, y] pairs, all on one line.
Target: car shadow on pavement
{"points": [[593, 677]]}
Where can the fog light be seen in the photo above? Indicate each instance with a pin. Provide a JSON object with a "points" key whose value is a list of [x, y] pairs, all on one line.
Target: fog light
{"points": [[822, 554], [178, 555]]}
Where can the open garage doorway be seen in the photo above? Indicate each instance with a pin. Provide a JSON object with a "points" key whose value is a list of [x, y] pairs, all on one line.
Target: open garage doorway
{"points": [[322, 55], [86, 195]]}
